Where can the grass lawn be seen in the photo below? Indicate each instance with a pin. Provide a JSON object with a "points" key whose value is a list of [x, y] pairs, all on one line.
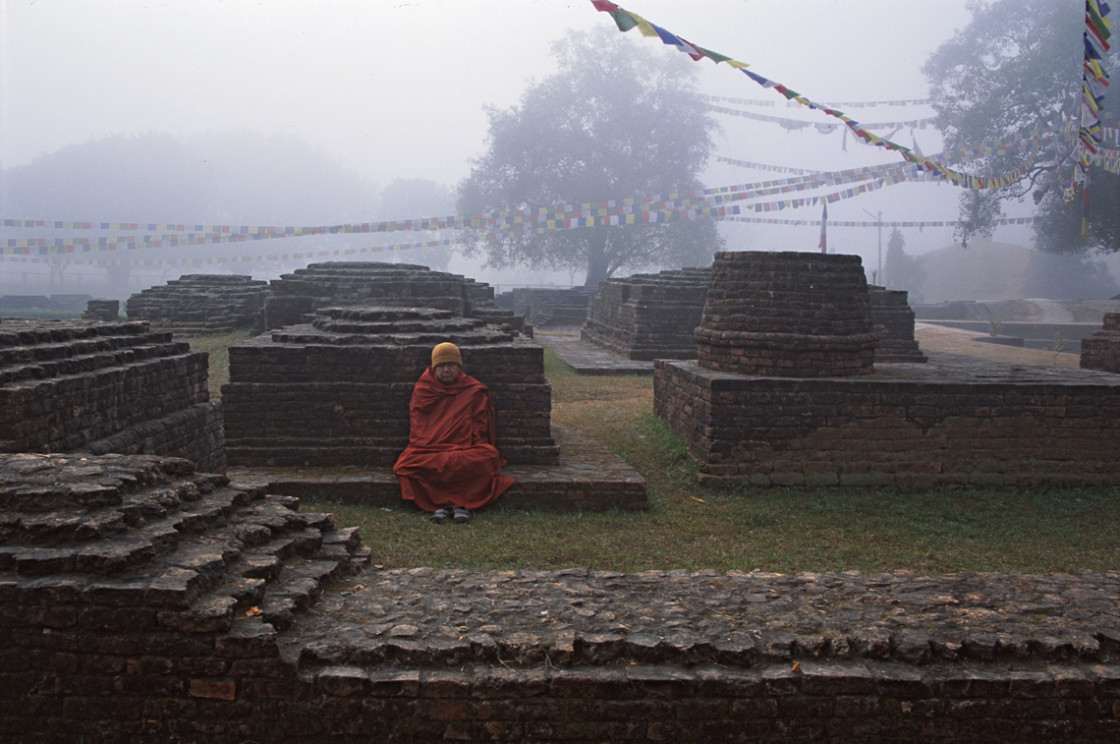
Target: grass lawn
{"points": [[218, 349], [769, 529]]}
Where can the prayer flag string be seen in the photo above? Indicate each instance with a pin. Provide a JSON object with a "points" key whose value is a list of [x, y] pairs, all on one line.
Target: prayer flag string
{"points": [[1094, 81], [626, 20]]}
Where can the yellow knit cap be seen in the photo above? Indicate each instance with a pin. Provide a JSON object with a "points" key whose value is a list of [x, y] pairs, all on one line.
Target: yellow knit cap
{"points": [[446, 353]]}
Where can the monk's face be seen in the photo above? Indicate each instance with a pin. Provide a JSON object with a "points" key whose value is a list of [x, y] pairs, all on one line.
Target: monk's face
{"points": [[448, 372]]}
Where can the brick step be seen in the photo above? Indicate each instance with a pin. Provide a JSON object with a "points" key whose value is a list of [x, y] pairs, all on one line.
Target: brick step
{"points": [[331, 453], [154, 527], [180, 505], [287, 575], [106, 557], [17, 334], [82, 364], [588, 477], [300, 583], [274, 569], [78, 346], [143, 543]]}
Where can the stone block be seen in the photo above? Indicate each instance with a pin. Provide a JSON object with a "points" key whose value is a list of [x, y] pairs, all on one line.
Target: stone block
{"points": [[649, 316]]}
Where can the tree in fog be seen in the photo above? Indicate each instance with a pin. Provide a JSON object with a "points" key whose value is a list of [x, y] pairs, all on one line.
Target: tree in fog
{"points": [[905, 271], [1018, 65], [618, 120]]}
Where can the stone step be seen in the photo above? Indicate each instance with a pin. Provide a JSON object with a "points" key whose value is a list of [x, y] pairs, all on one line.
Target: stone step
{"points": [[144, 544], [576, 618], [77, 346], [588, 477], [71, 364], [33, 332]]}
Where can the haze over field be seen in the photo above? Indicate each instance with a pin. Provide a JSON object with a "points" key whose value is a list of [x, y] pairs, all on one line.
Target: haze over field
{"points": [[290, 112]]}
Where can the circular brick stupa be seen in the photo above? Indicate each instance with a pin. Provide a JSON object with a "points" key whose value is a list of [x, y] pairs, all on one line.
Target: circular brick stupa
{"points": [[787, 315]]}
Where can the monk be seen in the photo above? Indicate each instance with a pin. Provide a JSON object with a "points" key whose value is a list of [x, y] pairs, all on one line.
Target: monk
{"points": [[451, 465]]}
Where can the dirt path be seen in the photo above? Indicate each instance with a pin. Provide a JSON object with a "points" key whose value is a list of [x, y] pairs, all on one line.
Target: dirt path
{"points": [[957, 341]]}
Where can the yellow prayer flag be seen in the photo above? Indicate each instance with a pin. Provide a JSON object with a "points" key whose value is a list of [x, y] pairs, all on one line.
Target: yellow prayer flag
{"points": [[644, 26]]}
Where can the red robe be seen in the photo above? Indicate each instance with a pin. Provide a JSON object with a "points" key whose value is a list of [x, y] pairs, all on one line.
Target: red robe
{"points": [[451, 459]]}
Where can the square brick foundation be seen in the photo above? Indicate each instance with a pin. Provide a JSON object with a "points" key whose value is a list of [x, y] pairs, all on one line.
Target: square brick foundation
{"points": [[952, 421]]}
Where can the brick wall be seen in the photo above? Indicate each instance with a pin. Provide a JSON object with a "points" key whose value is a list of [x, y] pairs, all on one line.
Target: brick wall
{"points": [[787, 314], [543, 307], [1102, 349], [336, 391], [293, 296], [950, 422], [105, 386], [893, 321], [649, 316], [201, 303], [143, 602]]}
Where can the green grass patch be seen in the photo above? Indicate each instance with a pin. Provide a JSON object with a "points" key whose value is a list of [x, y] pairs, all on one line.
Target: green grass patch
{"points": [[786, 530], [783, 530], [217, 347]]}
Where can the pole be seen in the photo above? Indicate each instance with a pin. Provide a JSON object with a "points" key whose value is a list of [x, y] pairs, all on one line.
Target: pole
{"points": [[879, 224], [881, 282]]}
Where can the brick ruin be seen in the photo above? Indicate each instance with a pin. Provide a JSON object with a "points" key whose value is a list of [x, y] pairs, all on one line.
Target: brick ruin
{"points": [[649, 316], [1102, 350], [140, 597], [782, 394], [102, 310], [142, 601], [335, 391], [655, 316], [788, 314], [12, 305], [548, 308], [101, 387], [893, 321], [294, 297], [199, 304]]}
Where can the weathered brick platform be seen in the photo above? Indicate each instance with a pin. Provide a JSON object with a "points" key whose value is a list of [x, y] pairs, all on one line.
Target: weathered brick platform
{"points": [[1102, 349], [543, 307], [783, 393], [953, 420], [104, 387], [588, 476], [335, 392], [649, 316], [108, 310], [201, 303], [588, 358], [137, 596], [141, 601], [294, 297]]}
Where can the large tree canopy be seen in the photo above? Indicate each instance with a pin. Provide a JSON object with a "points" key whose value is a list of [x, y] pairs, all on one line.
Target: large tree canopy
{"points": [[616, 121], [1015, 69]]}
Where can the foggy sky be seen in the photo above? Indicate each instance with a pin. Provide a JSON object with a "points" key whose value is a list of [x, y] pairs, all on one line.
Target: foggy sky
{"points": [[394, 88]]}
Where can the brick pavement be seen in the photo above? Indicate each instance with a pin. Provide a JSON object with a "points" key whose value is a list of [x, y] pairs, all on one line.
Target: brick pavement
{"points": [[576, 616], [588, 359]]}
